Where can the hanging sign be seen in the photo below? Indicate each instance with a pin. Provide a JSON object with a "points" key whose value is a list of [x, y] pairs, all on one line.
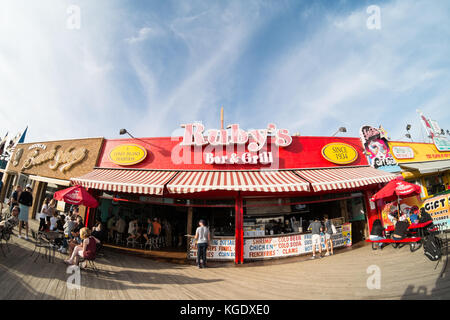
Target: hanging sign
{"points": [[127, 154], [339, 153], [376, 146], [434, 132]]}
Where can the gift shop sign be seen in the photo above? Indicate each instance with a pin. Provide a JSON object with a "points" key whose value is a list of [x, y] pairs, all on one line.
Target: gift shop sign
{"points": [[438, 208], [253, 140], [339, 153], [127, 154]]}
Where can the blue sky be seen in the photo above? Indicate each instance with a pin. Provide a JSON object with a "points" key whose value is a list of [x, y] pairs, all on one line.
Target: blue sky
{"points": [[149, 66]]}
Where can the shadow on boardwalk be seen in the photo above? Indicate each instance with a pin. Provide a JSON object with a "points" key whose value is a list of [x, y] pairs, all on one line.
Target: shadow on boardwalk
{"points": [[22, 278], [441, 289]]}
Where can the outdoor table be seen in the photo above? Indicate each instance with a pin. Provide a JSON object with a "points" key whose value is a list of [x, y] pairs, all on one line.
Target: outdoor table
{"points": [[46, 240], [421, 231], [420, 226]]}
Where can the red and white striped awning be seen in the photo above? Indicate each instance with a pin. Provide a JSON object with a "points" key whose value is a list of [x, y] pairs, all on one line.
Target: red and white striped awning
{"points": [[344, 178], [127, 181], [262, 181]]}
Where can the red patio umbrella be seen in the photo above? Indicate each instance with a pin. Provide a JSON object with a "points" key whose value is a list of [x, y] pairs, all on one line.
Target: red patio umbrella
{"points": [[396, 189], [76, 195]]}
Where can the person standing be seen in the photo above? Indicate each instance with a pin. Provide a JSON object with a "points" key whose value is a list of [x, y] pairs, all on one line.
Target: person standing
{"points": [[14, 200], [43, 215], [203, 237], [25, 202], [316, 229], [51, 210], [328, 233]]}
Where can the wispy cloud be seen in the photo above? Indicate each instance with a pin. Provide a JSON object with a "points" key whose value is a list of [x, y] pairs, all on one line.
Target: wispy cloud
{"points": [[148, 67]]}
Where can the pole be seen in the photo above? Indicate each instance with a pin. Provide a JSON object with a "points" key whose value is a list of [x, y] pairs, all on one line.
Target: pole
{"points": [[239, 233], [221, 118]]}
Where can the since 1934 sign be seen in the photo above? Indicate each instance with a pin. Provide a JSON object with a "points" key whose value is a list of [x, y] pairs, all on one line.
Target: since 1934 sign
{"points": [[339, 153], [127, 154]]}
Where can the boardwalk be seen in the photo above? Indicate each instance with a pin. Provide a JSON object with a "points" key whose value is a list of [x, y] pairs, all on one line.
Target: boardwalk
{"points": [[404, 275]]}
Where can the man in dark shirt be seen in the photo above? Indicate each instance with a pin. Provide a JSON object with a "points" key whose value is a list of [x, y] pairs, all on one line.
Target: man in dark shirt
{"points": [[401, 229], [15, 197]]}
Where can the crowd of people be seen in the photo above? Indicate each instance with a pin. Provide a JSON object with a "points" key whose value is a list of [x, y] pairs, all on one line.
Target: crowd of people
{"points": [[401, 221], [318, 229]]}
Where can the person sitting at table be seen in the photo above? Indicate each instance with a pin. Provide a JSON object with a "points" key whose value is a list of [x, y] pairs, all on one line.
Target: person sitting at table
{"points": [[76, 240], [377, 232], [86, 249], [393, 216], [110, 226], [133, 230], [414, 217], [68, 227], [401, 228], [53, 220], [79, 220], [60, 223], [149, 233], [98, 232], [12, 221]]}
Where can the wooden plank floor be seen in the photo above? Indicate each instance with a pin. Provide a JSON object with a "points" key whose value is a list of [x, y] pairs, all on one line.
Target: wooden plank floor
{"points": [[404, 275]]}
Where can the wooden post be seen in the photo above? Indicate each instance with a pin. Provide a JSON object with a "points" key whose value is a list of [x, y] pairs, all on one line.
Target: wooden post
{"points": [[239, 230], [189, 221]]}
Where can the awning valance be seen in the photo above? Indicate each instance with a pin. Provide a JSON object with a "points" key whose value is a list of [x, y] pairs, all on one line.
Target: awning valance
{"points": [[260, 181], [51, 180], [344, 178], [127, 181], [428, 167]]}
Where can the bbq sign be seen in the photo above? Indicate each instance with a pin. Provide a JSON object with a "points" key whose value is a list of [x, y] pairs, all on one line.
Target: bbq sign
{"points": [[127, 154], [339, 153]]}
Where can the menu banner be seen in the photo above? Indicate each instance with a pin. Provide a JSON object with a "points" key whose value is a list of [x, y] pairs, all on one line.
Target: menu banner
{"points": [[218, 249], [294, 245]]}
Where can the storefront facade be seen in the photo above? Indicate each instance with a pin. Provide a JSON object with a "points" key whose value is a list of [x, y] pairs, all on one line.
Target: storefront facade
{"points": [[48, 167], [257, 189], [424, 165]]}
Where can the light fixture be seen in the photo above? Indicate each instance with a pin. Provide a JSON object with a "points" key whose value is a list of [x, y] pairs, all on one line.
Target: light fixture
{"points": [[408, 127], [124, 131], [341, 129], [408, 136]]}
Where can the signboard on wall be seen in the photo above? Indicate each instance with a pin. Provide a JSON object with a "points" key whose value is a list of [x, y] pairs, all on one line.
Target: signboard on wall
{"points": [[376, 147], [127, 154], [438, 208], [403, 152], [294, 245], [218, 249], [62, 159], [339, 153]]}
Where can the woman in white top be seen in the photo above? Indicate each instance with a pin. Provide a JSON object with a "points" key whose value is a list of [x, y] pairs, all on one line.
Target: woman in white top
{"points": [[53, 222], [43, 215]]}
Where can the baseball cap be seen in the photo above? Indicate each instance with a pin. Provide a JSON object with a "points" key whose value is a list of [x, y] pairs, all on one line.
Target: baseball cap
{"points": [[28, 186]]}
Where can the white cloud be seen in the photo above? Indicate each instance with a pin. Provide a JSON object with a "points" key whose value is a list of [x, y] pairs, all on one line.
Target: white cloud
{"points": [[143, 34]]}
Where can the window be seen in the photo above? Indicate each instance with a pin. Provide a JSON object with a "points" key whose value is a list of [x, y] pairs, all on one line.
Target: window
{"points": [[434, 184]]}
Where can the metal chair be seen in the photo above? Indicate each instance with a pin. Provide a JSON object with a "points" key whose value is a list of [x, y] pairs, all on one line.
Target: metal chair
{"points": [[5, 236]]}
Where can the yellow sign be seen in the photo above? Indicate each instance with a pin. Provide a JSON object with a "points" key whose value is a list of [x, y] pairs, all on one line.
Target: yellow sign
{"points": [[339, 153], [417, 152], [438, 208], [127, 154]]}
